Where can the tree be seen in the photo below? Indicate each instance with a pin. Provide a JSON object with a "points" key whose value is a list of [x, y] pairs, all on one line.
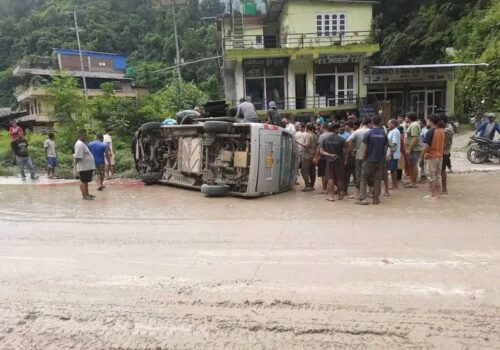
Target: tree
{"points": [[69, 106], [172, 99], [119, 113]]}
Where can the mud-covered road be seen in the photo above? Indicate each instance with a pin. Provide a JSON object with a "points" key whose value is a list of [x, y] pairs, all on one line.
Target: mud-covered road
{"points": [[164, 268]]}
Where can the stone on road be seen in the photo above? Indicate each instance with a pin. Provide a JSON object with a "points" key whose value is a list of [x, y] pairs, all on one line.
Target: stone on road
{"points": [[165, 268]]}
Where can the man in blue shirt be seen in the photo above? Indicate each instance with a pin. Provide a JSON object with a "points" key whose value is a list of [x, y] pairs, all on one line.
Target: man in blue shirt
{"points": [[489, 127], [375, 143], [101, 153]]}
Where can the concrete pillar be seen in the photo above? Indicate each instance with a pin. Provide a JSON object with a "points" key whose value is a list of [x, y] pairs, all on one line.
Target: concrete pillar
{"points": [[450, 97], [362, 88], [239, 81], [311, 86], [229, 82], [290, 101]]}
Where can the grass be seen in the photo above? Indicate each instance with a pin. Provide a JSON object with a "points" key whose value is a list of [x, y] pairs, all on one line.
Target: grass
{"points": [[7, 171], [125, 166]]}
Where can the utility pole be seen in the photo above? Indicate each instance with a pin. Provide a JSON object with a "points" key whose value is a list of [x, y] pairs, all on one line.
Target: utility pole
{"points": [[81, 57], [177, 51]]}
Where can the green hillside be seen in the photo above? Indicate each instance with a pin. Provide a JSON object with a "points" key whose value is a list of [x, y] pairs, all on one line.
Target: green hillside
{"points": [[414, 31]]}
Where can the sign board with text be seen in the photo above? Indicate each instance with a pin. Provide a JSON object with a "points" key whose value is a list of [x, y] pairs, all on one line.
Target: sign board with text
{"points": [[408, 75]]}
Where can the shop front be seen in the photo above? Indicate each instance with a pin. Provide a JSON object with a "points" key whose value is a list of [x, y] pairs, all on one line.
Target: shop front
{"points": [[423, 90], [265, 81]]}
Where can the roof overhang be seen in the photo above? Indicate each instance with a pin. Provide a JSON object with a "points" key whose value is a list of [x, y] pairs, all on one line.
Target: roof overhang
{"points": [[438, 65], [354, 1]]}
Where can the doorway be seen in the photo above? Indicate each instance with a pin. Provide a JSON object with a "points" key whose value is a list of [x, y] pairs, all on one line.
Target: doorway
{"points": [[300, 91]]}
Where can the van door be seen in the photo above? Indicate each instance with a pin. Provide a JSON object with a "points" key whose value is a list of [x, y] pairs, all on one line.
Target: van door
{"points": [[269, 161], [288, 164]]}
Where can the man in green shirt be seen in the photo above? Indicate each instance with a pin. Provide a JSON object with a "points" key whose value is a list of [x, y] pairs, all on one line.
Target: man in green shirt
{"points": [[413, 147]]}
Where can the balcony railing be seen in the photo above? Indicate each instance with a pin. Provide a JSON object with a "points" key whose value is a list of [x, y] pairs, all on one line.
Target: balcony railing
{"points": [[23, 93], [295, 40], [308, 102]]}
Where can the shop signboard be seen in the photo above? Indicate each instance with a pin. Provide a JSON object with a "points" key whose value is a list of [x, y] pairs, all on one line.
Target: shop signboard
{"points": [[277, 62], [408, 75], [334, 59]]}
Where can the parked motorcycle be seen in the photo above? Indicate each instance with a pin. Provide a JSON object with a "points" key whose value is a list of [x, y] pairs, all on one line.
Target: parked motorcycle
{"points": [[455, 124], [482, 149]]}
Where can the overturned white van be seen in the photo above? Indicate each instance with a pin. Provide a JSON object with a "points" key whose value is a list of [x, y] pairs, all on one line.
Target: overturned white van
{"points": [[219, 156]]}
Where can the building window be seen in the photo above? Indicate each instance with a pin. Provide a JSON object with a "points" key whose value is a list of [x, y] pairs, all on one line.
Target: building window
{"points": [[335, 84], [263, 85], [265, 81], [330, 24]]}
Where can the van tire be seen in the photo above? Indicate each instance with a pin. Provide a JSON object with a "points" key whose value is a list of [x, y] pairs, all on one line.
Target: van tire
{"points": [[151, 178], [214, 190], [150, 128], [217, 127]]}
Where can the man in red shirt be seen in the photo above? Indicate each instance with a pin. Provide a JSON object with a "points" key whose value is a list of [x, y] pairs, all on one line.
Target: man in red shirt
{"points": [[15, 131], [432, 154]]}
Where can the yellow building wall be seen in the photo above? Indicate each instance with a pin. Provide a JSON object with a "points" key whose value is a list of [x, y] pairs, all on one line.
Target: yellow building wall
{"points": [[300, 16]]}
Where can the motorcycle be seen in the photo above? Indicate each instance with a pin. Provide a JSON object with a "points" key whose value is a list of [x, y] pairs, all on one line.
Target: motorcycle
{"points": [[482, 149], [455, 124], [476, 119]]}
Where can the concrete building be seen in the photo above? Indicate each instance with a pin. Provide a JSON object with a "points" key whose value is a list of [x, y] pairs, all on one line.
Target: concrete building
{"points": [[423, 89], [307, 56], [99, 68]]}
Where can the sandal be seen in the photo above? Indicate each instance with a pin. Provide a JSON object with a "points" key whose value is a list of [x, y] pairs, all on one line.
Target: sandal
{"points": [[330, 200], [363, 202]]}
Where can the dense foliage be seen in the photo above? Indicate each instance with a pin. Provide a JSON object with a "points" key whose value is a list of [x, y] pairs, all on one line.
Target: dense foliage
{"points": [[140, 29], [413, 31], [439, 31]]}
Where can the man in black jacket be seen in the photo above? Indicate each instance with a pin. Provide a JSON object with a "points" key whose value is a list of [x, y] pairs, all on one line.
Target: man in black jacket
{"points": [[20, 148], [273, 116]]}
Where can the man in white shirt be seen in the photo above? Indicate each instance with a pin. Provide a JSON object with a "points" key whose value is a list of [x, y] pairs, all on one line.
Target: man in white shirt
{"points": [[85, 164], [109, 169], [49, 147], [247, 112], [289, 126]]}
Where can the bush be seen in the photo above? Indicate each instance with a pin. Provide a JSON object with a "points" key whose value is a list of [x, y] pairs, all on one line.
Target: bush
{"points": [[123, 157], [64, 172], [125, 165], [4, 171]]}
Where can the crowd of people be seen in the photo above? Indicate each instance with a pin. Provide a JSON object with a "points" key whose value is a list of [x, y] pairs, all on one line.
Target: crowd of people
{"points": [[365, 153], [362, 153], [94, 159]]}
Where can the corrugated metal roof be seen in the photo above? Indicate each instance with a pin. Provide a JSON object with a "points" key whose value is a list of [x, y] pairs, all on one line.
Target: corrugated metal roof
{"points": [[437, 65], [90, 53]]}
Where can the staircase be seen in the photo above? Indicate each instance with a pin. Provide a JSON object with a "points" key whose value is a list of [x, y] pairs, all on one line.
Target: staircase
{"points": [[238, 39], [368, 110]]}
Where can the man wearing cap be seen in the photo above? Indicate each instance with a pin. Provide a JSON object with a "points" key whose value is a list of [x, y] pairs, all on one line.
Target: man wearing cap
{"points": [[489, 127], [273, 116]]}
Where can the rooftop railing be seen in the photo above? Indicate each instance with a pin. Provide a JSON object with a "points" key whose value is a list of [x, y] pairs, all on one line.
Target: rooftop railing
{"points": [[296, 40]]}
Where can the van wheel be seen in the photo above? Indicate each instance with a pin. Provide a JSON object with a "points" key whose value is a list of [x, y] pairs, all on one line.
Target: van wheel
{"points": [[151, 178], [150, 128], [214, 190], [217, 127]]}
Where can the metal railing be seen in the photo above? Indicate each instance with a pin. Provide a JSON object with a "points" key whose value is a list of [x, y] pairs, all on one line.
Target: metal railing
{"points": [[38, 63], [308, 102], [22, 92], [296, 40]]}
